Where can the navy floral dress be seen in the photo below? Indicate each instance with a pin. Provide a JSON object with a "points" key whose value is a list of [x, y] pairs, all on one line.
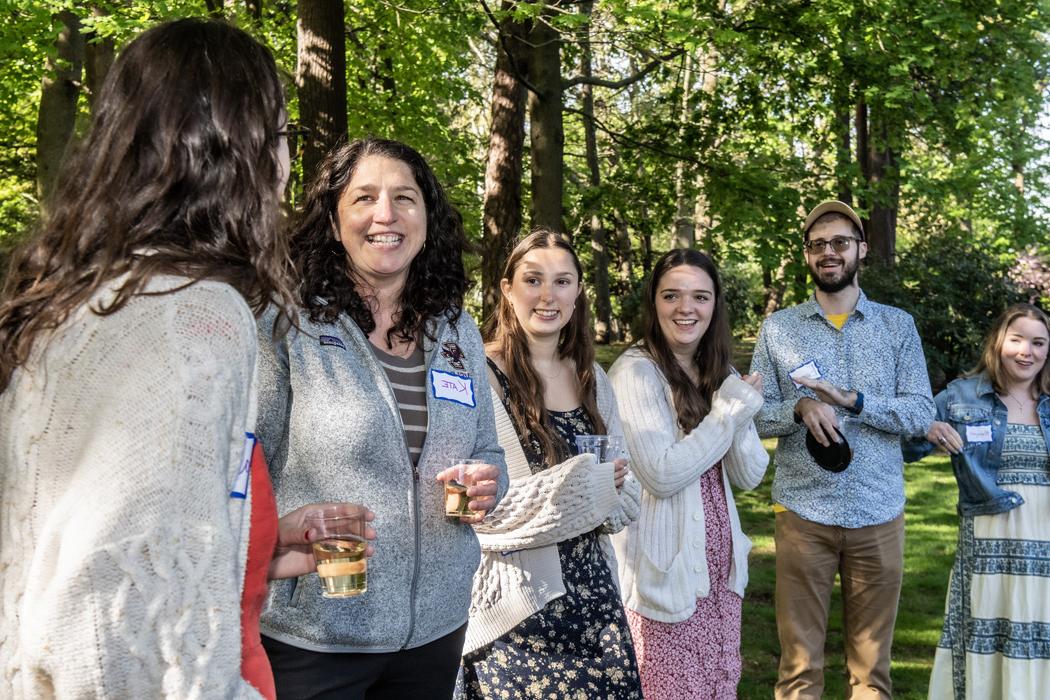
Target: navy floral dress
{"points": [[578, 645]]}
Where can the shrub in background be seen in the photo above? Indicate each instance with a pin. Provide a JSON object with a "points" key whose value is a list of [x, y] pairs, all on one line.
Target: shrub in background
{"points": [[954, 287]]}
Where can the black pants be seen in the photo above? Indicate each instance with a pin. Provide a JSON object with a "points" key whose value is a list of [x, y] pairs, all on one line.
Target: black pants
{"points": [[424, 673]]}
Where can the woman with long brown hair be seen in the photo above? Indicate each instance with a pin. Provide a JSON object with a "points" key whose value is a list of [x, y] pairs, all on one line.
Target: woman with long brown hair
{"points": [[995, 424], [688, 420], [546, 616], [138, 527]]}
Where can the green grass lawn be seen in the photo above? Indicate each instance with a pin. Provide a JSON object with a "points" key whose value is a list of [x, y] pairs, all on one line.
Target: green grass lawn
{"points": [[931, 526]]}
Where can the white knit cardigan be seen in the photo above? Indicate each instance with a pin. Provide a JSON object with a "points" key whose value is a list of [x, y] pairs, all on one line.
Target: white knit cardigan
{"points": [[662, 555], [121, 552], [520, 571]]}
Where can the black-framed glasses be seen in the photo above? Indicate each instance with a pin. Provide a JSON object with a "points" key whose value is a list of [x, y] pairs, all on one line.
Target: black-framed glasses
{"points": [[840, 244], [295, 134]]}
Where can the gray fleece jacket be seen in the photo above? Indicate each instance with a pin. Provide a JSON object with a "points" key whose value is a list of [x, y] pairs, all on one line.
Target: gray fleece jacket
{"points": [[331, 430]]}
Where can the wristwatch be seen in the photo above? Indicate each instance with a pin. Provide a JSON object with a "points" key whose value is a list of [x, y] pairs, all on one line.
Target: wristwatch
{"points": [[858, 405]]}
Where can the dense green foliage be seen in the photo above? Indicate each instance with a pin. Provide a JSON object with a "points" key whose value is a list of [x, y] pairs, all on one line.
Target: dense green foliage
{"points": [[730, 117]]}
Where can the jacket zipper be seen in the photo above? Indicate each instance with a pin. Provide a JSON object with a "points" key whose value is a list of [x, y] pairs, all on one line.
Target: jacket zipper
{"points": [[415, 492]]}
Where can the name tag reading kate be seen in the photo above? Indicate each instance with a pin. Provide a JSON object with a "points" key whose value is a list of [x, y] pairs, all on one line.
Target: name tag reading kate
{"points": [[979, 433], [452, 387]]}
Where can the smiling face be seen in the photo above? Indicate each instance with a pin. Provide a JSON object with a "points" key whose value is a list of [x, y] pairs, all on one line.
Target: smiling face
{"points": [[1024, 350], [685, 303], [543, 291], [382, 220], [833, 271]]}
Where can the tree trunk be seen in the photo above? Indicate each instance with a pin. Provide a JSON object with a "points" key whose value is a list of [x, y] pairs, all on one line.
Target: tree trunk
{"points": [[600, 252], [545, 125], [623, 330], [884, 185], [321, 77], [99, 53], [59, 92], [842, 105], [684, 225], [503, 169]]}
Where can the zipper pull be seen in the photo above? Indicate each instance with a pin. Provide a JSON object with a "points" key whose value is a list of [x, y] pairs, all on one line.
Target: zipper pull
{"points": [[415, 474]]}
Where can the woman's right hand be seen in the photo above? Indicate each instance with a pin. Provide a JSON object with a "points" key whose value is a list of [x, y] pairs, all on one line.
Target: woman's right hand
{"points": [[944, 436]]}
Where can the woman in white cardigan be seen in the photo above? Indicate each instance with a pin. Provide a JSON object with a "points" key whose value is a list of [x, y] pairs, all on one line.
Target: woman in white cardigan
{"points": [[688, 420], [546, 616]]}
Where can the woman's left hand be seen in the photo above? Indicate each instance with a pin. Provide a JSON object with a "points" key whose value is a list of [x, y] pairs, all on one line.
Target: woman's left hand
{"points": [[481, 489]]}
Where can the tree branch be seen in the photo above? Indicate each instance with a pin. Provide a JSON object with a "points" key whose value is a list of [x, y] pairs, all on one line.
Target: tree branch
{"points": [[623, 82], [518, 74]]}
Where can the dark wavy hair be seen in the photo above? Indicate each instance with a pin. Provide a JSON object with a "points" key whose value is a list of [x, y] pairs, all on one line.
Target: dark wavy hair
{"points": [[328, 285], [178, 174], [713, 355], [505, 337], [991, 361]]}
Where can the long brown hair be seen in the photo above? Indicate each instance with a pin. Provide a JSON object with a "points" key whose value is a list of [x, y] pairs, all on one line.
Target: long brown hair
{"points": [[713, 355], [178, 174], [991, 362], [503, 333]]}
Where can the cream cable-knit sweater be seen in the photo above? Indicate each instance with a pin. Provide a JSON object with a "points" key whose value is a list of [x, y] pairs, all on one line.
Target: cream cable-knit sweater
{"points": [[121, 552], [662, 555], [520, 571]]}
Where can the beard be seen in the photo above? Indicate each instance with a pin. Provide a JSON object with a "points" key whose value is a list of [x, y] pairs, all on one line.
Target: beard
{"points": [[845, 278]]}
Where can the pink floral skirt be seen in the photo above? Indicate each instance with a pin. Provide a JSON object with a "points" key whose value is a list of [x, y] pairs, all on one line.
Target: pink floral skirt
{"points": [[699, 657]]}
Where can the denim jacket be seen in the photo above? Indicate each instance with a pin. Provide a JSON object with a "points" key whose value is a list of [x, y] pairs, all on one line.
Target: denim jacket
{"points": [[969, 404]]}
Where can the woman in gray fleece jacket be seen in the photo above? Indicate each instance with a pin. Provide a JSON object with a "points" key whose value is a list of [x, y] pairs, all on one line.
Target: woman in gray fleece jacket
{"points": [[369, 400]]}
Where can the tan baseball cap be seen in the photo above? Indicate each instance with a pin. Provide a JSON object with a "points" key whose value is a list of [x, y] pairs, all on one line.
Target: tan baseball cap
{"points": [[833, 206]]}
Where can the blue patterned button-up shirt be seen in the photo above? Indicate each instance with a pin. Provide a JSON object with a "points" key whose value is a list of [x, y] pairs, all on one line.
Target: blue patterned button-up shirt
{"points": [[877, 352]]}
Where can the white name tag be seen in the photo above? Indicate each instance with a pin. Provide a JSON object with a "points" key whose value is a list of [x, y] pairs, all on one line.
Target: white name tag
{"points": [[807, 371], [452, 387], [979, 433], [240, 482]]}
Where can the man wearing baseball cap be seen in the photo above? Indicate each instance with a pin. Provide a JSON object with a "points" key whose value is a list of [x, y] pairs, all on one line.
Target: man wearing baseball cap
{"points": [[851, 372]]}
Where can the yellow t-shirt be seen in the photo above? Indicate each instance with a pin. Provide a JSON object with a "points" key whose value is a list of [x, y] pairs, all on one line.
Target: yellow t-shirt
{"points": [[837, 320]]}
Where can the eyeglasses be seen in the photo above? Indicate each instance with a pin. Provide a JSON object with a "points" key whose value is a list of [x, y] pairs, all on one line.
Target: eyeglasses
{"points": [[840, 244], [293, 132]]}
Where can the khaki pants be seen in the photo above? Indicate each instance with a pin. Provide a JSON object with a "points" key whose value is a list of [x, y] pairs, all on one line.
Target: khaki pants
{"points": [[870, 561]]}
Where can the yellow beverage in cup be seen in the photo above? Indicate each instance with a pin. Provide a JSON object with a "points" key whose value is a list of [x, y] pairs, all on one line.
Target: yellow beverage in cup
{"points": [[342, 566], [456, 499]]}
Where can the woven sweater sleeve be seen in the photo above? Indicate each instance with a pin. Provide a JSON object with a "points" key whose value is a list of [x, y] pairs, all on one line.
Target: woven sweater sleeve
{"points": [[138, 591], [663, 463], [747, 459], [556, 504]]}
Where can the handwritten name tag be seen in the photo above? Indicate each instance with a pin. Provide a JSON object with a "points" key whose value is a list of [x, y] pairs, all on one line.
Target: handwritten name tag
{"points": [[452, 387], [808, 370], [979, 433]]}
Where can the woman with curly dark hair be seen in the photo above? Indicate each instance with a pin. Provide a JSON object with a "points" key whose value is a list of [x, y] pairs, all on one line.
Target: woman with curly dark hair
{"points": [[380, 390], [137, 523]]}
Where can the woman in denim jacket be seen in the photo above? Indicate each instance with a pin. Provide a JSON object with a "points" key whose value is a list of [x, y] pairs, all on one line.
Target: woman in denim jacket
{"points": [[995, 423]]}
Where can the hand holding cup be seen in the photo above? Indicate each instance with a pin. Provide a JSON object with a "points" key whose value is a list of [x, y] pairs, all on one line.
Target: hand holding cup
{"points": [[470, 489]]}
